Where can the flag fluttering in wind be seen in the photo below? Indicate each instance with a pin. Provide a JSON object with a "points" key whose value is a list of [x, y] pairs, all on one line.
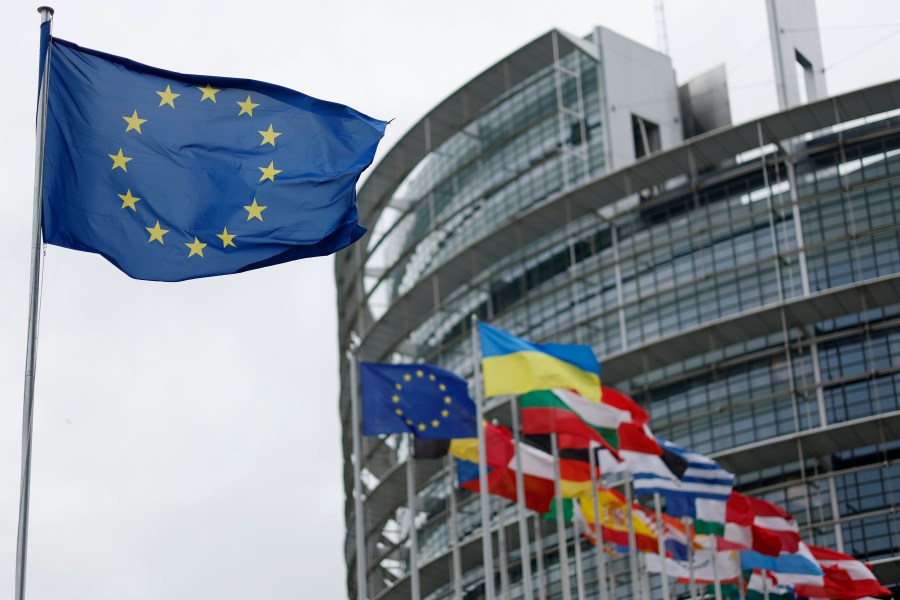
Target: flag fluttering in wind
{"points": [[573, 416], [172, 176], [424, 400], [512, 365], [843, 578], [760, 525]]}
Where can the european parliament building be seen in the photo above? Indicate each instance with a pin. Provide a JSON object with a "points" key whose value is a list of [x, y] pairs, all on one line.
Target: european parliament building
{"points": [[741, 282]]}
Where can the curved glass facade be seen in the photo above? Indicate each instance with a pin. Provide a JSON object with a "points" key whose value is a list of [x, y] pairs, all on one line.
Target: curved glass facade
{"points": [[783, 261]]}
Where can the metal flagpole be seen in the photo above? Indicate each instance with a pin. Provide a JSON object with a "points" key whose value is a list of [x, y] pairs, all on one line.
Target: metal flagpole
{"points": [[560, 523], [661, 546], [741, 585], [539, 557], [411, 509], [632, 539], [454, 532], [717, 585], [645, 578], [579, 570], [362, 591], [33, 310], [598, 531], [692, 582], [501, 550], [486, 546], [527, 583]]}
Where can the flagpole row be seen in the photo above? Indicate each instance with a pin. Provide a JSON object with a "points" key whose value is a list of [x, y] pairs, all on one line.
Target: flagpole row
{"points": [[486, 546], [362, 591], [520, 501], [33, 310]]}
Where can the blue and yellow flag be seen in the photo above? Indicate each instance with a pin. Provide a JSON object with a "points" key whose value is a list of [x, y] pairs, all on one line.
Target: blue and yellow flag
{"points": [[424, 400], [512, 365], [173, 177]]}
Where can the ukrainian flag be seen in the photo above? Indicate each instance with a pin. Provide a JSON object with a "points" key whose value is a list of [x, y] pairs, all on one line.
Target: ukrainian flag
{"points": [[512, 365]]}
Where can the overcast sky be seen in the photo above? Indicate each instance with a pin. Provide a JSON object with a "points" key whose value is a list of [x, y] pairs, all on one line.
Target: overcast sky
{"points": [[186, 438]]}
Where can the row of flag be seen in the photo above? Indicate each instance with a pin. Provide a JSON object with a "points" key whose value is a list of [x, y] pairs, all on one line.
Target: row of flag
{"points": [[708, 533]]}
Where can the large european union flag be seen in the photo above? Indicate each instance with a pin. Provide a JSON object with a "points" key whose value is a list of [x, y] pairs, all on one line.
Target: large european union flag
{"points": [[173, 177], [424, 400]]}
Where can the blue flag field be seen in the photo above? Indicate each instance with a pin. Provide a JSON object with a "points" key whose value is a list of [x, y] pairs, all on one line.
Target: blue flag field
{"points": [[173, 177]]}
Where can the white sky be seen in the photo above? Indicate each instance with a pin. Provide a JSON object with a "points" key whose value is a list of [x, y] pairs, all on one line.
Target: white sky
{"points": [[187, 437]]}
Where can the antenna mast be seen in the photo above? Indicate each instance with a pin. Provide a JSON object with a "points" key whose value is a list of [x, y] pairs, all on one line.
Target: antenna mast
{"points": [[662, 39]]}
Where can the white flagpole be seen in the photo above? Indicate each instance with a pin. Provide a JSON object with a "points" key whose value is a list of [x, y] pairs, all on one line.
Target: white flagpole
{"points": [[598, 530], [717, 585], [486, 546], [579, 570], [560, 524], [741, 586], [454, 532], [411, 511], [527, 583], [632, 538], [501, 549], [661, 545], [34, 308], [358, 510], [539, 557], [692, 582]]}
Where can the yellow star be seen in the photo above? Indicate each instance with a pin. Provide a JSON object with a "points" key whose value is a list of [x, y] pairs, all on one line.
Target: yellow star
{"points": [[134, 122], [196, 247], [445, 413], [409, 422], [395, 398], [226, 238], [431, 376], [399, 412], [442, 387], [156, 233], [247, 107], [422, 426], [128, 200], [420, 373], [269, 136], [396, 385], [447, 399], [209, 92], [407, 377], [269, 172], [435, 423], [254, 211], [167, 97], [119, 160]]}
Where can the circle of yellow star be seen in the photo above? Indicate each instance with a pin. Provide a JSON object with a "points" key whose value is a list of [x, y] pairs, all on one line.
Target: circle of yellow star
{"points": [[209, 92], [196, 247], [167, 97], [156, 233], [119, 160], [128, 200], [247, 107], [269, 172], [134, 122], [254, 211], [269, 136], [226, 238]]}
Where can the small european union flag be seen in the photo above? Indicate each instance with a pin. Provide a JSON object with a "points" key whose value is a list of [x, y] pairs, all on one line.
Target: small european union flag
{"points": [[173, 177], [424, 400]]}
